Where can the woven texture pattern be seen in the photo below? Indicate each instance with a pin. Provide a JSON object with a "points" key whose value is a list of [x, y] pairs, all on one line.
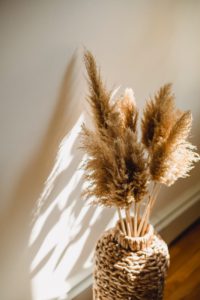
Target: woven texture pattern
{"points": [[121, 273]]}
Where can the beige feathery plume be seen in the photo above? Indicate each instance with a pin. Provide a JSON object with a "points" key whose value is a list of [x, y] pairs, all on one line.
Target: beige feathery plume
{"points": [[175, 157], [158, 117], [99, 96], [128, 110], [105, 115], [116, 170], [181, 129], [135, 162]]}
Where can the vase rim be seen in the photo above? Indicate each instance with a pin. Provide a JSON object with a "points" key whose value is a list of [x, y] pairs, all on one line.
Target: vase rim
{"points": [[134, 243]]}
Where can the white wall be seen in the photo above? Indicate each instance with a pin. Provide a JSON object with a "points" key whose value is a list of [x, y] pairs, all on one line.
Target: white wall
{"points": [[139, 44]]}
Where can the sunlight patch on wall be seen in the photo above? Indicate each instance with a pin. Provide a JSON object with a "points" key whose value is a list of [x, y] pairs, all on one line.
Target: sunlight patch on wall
{"points": [[65, 229], [62, 162], [56, 221]]}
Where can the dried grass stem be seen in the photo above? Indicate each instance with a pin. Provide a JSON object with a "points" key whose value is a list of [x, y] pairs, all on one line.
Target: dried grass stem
{"points": [[121, 221]]}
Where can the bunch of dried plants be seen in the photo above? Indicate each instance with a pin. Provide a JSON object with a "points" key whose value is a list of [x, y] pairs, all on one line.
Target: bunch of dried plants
{"points": [[123, 170]]}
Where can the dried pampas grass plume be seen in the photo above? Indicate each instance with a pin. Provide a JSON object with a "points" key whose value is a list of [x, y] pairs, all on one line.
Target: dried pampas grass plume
{"points": [[105, 115], [116, 169], [128, 110], [175, 157], [158, 117]]}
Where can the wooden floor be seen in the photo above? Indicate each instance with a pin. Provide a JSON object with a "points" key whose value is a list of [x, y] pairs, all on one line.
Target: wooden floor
{"points": [[183, 281]]}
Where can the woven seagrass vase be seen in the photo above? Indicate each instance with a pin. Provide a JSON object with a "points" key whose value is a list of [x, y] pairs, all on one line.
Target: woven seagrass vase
{"points": [[130, 268]]}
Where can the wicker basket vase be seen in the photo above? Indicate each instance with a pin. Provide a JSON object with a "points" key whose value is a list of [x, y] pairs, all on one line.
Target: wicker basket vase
{"points": [[130, 268]]}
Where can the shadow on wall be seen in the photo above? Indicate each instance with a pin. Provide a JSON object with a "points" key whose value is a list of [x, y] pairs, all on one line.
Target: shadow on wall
{"points": [[32, 258], [15, 227], [66, 230]]}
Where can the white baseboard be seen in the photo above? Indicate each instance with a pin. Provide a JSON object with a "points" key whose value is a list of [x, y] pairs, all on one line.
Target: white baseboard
{"points": [[170, 222]]}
